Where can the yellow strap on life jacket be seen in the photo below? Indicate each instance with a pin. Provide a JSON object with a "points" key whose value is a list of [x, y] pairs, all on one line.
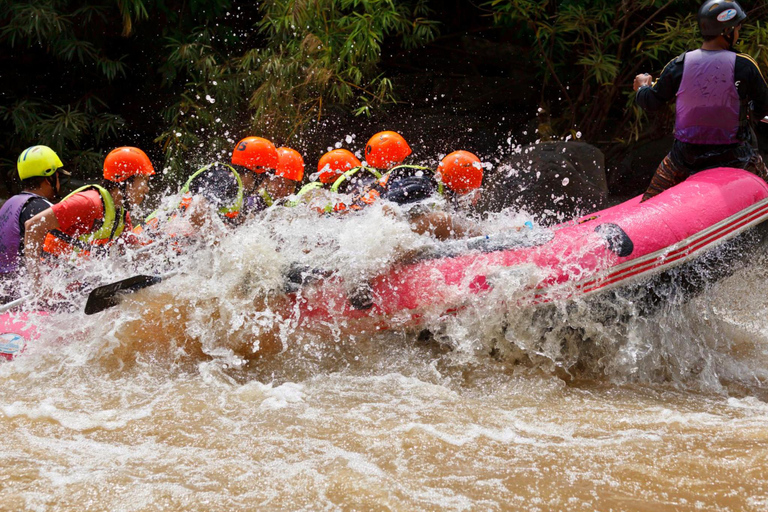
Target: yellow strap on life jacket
{"points": [[309, 187], [108, 230], [227, 211], [266, 197], [348, 175]]}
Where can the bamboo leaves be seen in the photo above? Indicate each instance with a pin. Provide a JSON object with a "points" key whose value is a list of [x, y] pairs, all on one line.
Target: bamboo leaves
{"points": [[334, 56]]}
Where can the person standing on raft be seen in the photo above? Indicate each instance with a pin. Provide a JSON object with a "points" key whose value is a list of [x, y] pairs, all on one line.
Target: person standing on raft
{"points": [[714, 86], [40, 170]]}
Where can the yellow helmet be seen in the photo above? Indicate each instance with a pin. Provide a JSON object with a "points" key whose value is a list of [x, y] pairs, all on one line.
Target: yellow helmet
{"points": [[37, 161]]}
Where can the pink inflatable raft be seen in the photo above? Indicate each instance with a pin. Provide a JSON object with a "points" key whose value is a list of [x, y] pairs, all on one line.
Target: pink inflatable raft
{"points": [[16, 330], [627, 244]]}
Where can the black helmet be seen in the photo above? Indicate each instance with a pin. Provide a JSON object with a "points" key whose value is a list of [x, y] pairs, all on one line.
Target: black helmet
{"points": [[218, 185], [718, 17]]}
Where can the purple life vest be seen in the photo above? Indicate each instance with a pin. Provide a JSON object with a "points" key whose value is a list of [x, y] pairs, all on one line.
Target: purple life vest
{"points": [[708, 103], [10, 232]]}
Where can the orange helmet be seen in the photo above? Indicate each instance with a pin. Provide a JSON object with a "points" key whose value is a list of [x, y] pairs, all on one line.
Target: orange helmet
{"points": [[461, 171], [290, 164], [335, 163], [124, 162], [386, 149], [255, 153]]}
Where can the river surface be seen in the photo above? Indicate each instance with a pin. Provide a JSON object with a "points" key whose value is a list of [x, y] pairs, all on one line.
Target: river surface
{"points": [[171, 401]]}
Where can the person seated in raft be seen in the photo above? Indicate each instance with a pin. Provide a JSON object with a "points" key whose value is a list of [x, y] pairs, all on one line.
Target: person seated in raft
{"points": [[387, 151], [269, 174], [285, 179], [338, 172], [384, 152], [213, 191], [41, 173], [363, 174], [278, 185], [713, 87], [253, 158], [92, 218], [458, 179]]}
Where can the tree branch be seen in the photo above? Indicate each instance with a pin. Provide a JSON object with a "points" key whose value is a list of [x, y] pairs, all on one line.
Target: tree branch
{"points": [[648, 20], [554, 75]]}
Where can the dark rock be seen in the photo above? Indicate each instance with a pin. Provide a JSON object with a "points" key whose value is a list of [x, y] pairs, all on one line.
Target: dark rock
{"points": [[633, 173], [552, 180]]}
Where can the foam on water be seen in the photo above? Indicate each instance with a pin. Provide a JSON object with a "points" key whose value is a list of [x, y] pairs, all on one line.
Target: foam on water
{"points": [[228, 304]]}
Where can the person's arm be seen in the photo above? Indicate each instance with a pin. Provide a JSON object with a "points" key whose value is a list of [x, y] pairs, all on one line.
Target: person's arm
{"points": [[652, 96], [443, 226], [752, 84], [32, 208], [36, 230]]}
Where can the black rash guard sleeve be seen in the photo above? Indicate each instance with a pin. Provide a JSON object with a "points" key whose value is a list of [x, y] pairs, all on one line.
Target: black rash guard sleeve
{"points": [[751, 84], [32, 208], [664, 89]]}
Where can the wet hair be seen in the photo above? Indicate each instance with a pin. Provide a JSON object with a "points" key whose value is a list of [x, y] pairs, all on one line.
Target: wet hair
{"points": [[33, 182], [259, 177], [218, 185]]}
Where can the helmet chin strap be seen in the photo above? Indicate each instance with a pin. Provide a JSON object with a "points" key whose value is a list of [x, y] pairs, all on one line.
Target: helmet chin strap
{"points": [[729, 37], [52, 182]]}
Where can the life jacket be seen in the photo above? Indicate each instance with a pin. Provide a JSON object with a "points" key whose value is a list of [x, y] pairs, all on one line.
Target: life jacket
{"points": [[402, 184], [230, 211], [409, 169], [152, 221], [303, 193], [352, 173], [346, 177], [708, 104], [10, 232], [112, 226]]}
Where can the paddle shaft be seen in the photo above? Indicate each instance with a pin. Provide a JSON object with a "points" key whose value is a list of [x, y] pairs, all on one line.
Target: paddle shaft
{"points": [[14, 303]]}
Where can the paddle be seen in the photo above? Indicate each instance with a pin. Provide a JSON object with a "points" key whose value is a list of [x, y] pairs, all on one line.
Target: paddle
{"points": [[104, 297], [14, 303], [109, 295]]}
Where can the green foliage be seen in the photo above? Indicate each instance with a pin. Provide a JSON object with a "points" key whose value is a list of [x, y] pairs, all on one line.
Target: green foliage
{"points": [[47, 37], [182, 78], [215, 70], [61, 29], [211, 95], [329, 51]]}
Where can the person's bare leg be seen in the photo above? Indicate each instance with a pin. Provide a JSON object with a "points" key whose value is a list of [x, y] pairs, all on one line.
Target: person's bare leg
{"points": [[667, 176]]}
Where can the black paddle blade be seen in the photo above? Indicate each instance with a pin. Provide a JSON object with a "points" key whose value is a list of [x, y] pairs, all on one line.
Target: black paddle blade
{"points": [[109, 295]]}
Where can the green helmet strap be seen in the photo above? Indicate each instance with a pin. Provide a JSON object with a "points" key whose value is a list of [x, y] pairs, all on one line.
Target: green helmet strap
{"points": [[266, 197], [224, 210], [349, 174]]}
